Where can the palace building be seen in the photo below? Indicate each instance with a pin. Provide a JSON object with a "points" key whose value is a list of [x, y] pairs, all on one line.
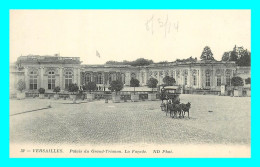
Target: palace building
{"points": [[50, 71]]}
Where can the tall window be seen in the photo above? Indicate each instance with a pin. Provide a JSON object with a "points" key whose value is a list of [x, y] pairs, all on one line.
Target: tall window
{"points": [[171, 74], [207, 78], [185, 80], [33, 80], [194, 80], [123, 78], [133, 75], [142, 77], [218, 80], [68, 79], [155, 74], [114, 77], [100, 79], [95, 78], [160, 74], [88, 78], [109, 78], [228, 80], [51, 80]]}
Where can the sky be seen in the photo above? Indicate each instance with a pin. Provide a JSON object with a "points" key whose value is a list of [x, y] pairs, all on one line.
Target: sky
{"points": [[160, 35]]}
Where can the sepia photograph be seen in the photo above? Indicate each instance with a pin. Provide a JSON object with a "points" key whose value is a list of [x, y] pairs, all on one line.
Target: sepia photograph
{"points": [[130, 83]]}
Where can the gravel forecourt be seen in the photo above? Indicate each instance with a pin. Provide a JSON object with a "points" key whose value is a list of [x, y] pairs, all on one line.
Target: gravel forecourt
{"points": [[98, 122]]}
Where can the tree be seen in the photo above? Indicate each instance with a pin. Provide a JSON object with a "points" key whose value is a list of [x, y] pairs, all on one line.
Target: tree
{"points": [[20, 85], [225, 56], [206, 54], [91, 86], [248, 80], [116, 86], [237, 81], [73, 88], [190, 59], [152, 83], [241, 57], [168, 81], [244, 59], [142, 62], [233, 56], [56, 89], [137, 62], [41, 90], [134, 83]]}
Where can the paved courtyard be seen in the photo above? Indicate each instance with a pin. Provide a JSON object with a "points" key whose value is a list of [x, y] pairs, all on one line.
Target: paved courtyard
{"points": [[130, 122]]}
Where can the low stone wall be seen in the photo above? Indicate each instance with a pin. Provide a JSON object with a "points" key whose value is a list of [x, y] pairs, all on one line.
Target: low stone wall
{"points": [[202, 92], [124, 95]]}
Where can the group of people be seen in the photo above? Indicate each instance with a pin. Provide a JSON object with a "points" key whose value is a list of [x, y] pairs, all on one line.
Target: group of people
{"points": [[174, 107]]}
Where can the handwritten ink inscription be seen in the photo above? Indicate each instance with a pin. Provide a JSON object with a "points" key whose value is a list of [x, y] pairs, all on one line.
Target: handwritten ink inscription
{"points": [[161, 25]]}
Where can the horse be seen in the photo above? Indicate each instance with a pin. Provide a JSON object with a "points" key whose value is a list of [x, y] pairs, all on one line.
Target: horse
{"points": [[186, 108], [175, 109]]}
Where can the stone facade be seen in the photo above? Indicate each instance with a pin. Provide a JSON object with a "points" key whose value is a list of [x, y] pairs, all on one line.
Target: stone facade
{"points": [[49, 71]]}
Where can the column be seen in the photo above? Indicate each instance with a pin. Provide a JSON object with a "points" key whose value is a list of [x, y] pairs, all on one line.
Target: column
{"points": [[92, 76], [61, 78], [146, 77], [127, 78], [197, 76], [103, 78], [224, 76], [158, 78], [175, 77], [200, 78], [41, 81], [213, 79], [189, 78], [75, 78], [26, 78], [79, 76]]}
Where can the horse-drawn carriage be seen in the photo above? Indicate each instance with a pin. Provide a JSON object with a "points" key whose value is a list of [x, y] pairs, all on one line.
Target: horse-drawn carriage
{"points": [[170, 96]]}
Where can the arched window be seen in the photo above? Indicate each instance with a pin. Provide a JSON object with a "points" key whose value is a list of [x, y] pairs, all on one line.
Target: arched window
{"points": [[88, 78], [33, 80], [228, 77], [109, 78], [155, 74], [185, 80], [114, 77], [194, 75], [160, 74], [68, 79], [51, 80], [133, 75], [142, 75], [100, 79], [123, 78], [171, 74], [178, 73], [207, 78], [194, 80]]}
